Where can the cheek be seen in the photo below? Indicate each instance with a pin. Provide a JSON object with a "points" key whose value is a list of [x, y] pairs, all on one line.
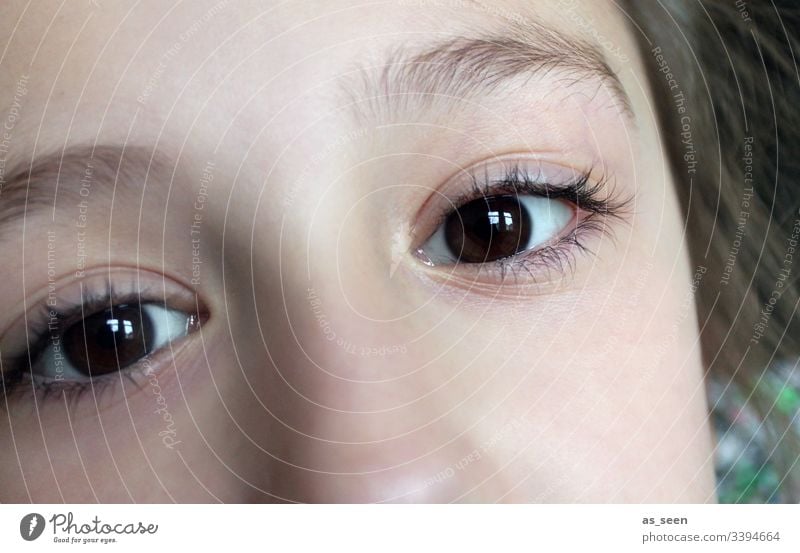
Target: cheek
{"points": [[608, 386], [80, 459], [557, 396], [627, 412]]}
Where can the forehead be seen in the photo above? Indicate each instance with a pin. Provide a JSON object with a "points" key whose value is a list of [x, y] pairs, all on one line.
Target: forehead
{"points": [[90, 68]]}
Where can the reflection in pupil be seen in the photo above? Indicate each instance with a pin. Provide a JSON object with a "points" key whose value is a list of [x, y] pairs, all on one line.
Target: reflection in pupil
{"points": [[108, 341], [115, 330], [488, 229]]}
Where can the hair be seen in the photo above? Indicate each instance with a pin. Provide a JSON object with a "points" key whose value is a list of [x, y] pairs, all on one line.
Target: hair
{"points": [[737, 172]]}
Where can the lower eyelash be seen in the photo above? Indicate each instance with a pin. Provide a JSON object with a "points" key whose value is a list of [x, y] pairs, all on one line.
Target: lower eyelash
{"points": [[22, 385], [559, 257]]}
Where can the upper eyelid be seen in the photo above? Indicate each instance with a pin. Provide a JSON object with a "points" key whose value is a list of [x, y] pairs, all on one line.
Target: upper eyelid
{"points": [[599, 194], [130, 284]]}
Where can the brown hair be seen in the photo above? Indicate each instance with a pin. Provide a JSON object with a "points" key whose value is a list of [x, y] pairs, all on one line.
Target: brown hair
{"points": [[732, 140]]}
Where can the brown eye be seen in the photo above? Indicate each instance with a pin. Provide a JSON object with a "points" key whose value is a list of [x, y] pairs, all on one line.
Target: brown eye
{"points": [[109, 341], [488, 229], [500, 226]]}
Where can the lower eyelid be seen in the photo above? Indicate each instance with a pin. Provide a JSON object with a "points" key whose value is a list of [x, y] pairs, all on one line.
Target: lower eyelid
{"points": [[537, 271], [102, 392]]}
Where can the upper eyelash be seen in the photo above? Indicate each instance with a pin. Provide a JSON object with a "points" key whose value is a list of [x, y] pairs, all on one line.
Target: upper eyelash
{"points": [[581, 191], [39, 327]]}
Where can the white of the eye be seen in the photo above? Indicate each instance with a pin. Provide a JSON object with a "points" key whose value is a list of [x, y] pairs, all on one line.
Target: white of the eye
{"points": [[548, 218], [168, 325]]}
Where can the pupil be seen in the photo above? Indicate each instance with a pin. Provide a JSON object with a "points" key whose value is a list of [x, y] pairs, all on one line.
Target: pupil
{"points": [[488, 229], [109, 341]]}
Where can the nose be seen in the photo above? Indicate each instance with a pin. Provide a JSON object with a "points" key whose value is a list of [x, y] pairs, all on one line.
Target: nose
{"points": [[374, 412], [364, 389]]}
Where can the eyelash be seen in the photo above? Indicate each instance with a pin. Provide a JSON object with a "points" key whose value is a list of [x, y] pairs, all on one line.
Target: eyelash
{"points": [[584, 193], [13, 382], [20, 383]]}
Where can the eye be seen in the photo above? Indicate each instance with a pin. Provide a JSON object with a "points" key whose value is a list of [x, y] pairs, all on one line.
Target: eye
{"points": [[110, 340], [492, 228]]}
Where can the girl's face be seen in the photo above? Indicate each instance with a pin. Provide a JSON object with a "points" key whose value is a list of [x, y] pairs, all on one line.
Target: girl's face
{"points": [[341, 251]]}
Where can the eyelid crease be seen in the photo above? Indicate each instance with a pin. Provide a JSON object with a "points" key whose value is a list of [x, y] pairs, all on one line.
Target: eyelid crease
{"points": [[133, 276]]}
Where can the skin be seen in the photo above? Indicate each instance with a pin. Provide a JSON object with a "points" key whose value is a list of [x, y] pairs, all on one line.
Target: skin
{"points": [[333, 365]]}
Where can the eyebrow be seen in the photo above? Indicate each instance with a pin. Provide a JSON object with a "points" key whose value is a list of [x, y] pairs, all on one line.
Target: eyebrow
{"points": [[464, 67], [63, 178]]}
